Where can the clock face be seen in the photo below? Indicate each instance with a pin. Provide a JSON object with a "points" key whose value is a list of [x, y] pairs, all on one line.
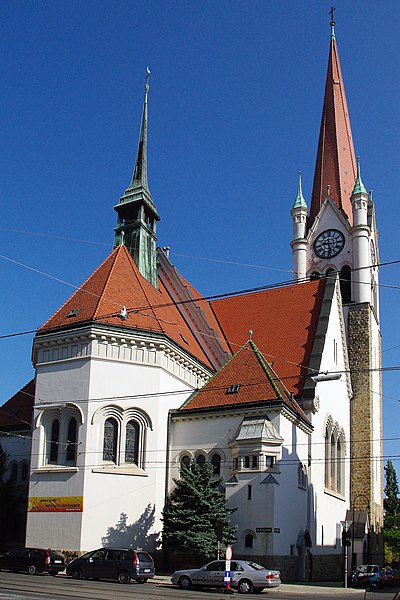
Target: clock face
{"points": [[329, 243]]}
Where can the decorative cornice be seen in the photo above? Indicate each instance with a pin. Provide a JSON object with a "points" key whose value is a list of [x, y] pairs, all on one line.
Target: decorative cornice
{"points": [[96, 342]]}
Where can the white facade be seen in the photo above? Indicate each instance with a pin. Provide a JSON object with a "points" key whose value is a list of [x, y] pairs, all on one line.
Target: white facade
{"points": [[93, 377], [300, 489]]}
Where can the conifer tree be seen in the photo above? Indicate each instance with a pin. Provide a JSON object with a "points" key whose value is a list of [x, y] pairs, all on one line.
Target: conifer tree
{"points": [[392, 515], [196, 513], [391, 490]]}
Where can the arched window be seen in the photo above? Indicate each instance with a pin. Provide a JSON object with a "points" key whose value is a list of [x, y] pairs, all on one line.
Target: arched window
{"points": [[185, 461], [54, 441], [110, 440], [200, 459], [216, 464], [341, 456], [327, 458], [71, 440], [132, 442], [302, 475], [248, 540], [333, 463], [345, 284], [25, 471], [339, 467], [14, 472]]}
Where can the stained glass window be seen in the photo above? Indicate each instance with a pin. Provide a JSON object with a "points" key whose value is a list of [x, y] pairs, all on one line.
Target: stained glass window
{"points": [[55, 433], [132, 442], [71, 441], [216, 464], [110, 440]]}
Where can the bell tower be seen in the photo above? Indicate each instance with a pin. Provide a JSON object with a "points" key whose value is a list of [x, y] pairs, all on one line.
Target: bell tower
{"points": [[137, 214], [338, 235]]}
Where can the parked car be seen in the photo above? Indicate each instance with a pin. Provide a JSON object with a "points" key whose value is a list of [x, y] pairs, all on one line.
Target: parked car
{"points": [[368, 576], [390, 578], [33, 560], [246, 576], [122, 564]]}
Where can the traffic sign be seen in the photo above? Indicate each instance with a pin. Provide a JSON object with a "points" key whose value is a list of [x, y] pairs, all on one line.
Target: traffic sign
{"points": [[228, 553]]}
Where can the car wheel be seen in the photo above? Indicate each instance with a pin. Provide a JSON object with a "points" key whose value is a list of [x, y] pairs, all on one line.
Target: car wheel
{"points": [[184, 582], [76, 573], [245, 586], [141, 580], [32, 570], [123, 577]]}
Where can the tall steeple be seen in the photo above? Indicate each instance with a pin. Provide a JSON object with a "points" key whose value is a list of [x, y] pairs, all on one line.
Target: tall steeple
{"points": [[336, 163], [137, 214]]}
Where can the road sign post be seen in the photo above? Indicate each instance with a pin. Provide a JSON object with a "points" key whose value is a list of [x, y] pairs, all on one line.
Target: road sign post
{"points": [[227, 574]]}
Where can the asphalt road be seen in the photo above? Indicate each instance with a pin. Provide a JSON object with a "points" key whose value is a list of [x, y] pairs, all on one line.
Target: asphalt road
{"points": [[20, 586]]}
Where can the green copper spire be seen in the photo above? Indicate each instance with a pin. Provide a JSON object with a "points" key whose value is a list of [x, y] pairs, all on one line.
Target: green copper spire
{"points": [[139, 178], [332, 23], [299, 202], [137, 213], [359, 187]]}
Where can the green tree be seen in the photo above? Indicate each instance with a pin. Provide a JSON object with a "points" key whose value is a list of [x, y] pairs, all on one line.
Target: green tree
{"points": [[196, 513], [391, 490], [392, 515]]}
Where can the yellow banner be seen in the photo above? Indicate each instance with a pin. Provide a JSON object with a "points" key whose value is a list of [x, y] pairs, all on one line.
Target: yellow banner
{"points": [[55, 504]]}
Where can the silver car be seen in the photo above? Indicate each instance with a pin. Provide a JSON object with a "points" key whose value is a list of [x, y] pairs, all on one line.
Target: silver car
{"points": [[245, 575]]}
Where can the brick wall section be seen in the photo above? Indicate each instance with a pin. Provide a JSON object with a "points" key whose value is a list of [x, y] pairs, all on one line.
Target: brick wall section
{"points": [[361, 446]]}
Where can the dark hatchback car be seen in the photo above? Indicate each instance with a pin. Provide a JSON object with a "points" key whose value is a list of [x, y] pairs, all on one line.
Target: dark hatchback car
{"points": [[33, 560], [113, 563]]}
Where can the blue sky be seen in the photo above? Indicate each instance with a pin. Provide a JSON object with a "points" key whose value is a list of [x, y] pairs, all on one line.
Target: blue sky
{"points": [[235, 104]]}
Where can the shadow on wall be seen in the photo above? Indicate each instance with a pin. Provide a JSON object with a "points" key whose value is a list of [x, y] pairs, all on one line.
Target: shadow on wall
{"points": [[135, 535]]}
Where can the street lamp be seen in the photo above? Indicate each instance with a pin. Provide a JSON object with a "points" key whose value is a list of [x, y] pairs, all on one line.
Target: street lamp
{"points": [[346, 525]]}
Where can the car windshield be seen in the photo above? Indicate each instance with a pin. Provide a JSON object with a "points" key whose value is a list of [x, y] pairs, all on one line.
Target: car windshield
{"points": [[254, 565], [368, 569], [87, 555]]}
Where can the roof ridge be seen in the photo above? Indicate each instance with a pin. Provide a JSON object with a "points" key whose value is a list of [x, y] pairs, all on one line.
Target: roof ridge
{"points": [[195, 392], [101, 297], [79, 289], [262, 361]]}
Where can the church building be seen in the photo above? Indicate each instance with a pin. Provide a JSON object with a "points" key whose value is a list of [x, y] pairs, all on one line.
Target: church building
{"points": [[279, 389]]}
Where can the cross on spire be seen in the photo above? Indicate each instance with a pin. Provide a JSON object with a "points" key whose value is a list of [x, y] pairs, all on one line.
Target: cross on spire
{"points": [[332, 23]]}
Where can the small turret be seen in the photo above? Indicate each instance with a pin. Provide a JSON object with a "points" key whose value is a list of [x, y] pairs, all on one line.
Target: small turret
{"points": [[360, 235], [299, 214]]}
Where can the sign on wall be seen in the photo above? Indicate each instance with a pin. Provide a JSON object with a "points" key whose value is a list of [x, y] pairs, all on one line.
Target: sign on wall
{"points": [[55, 504]]}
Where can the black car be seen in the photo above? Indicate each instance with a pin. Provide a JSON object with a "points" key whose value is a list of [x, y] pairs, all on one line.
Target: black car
{"points": [[33, 560], [121, 564]]}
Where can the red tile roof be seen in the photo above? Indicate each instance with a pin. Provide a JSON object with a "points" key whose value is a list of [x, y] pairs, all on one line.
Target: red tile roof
{"points": [[17, 412], [283, 322], [117, 283], [246, 378], [335, 164]]}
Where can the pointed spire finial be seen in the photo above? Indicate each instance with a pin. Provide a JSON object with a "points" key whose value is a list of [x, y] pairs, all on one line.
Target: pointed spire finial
{"points": [[250, 333], [332, 23], [148, 73], [328, 191], [359, 187], [299, 201], [139, 177]]}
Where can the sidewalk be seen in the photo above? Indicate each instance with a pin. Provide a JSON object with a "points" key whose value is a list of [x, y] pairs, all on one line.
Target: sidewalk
{"points": [[323, 588]]}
